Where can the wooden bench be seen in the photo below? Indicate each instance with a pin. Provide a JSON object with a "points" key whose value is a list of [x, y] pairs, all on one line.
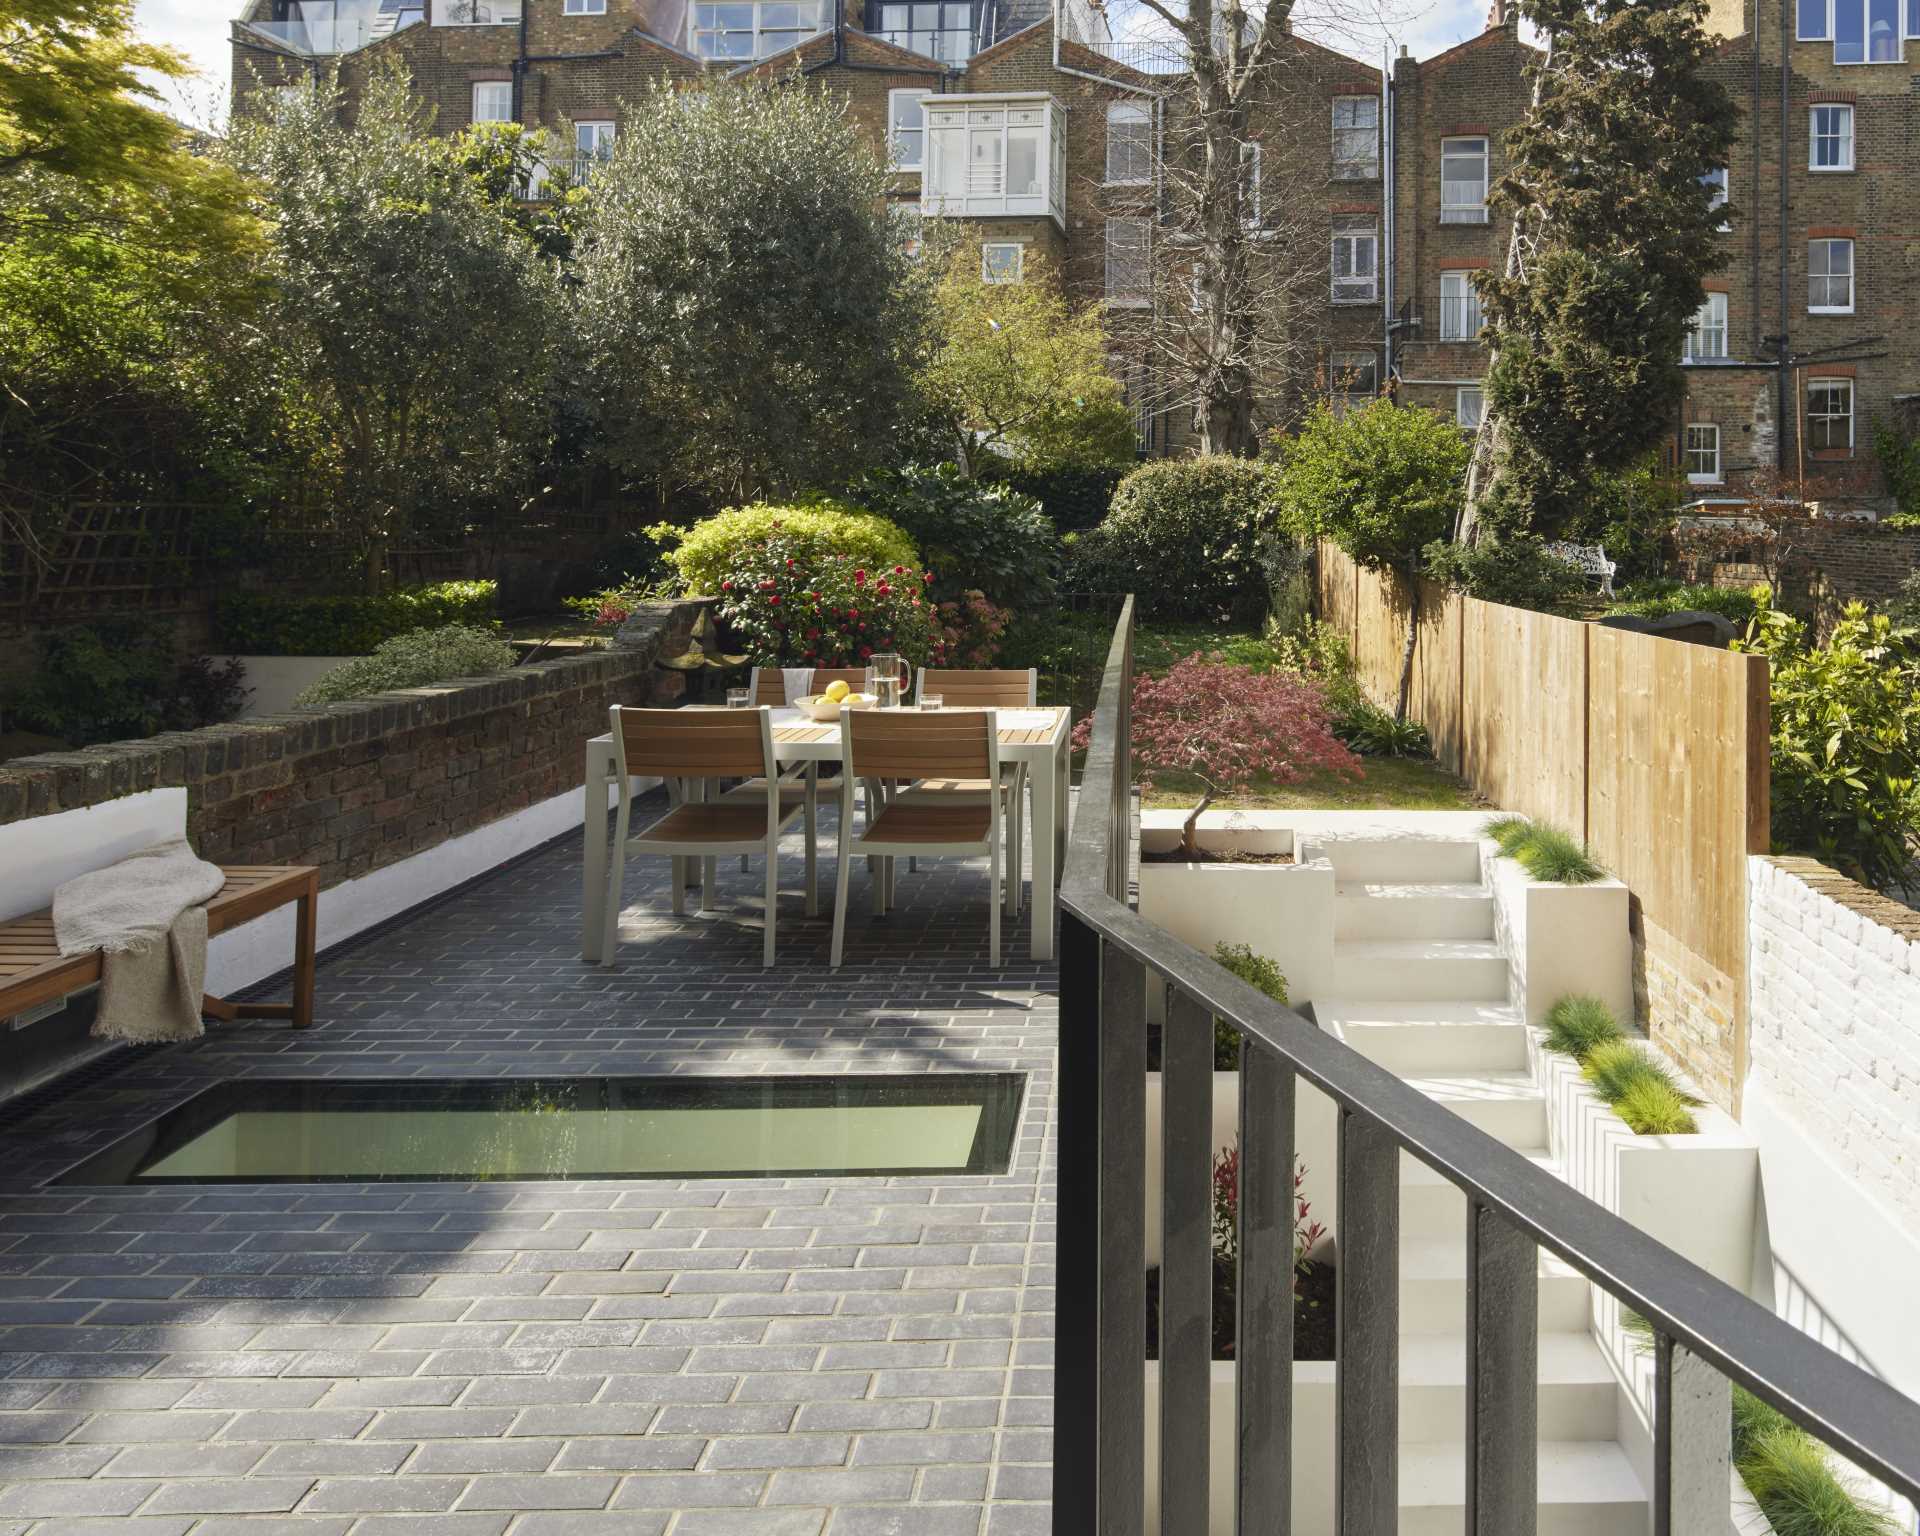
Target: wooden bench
{"points": [[33, 971]]}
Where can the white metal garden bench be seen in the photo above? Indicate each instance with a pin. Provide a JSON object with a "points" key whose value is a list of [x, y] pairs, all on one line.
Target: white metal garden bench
{"points": [[1592, 560]]}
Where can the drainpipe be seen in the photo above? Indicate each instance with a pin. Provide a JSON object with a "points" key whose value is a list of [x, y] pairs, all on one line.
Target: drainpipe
{"points": [[1786, 148], [1387, 210], [1753, 203], [520, 64]]}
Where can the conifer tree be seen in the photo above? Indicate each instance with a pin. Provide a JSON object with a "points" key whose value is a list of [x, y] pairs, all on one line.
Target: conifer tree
{"points": [[1614, 226]]}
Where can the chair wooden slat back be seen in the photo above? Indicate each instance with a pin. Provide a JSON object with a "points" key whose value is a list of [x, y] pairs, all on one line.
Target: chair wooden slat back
{"points": [[692, 743], [770, 684], [982, 688], [906, 744]]}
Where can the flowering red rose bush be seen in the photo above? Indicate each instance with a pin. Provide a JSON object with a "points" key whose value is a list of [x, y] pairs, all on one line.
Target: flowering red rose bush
{"points": [[788, 603]]}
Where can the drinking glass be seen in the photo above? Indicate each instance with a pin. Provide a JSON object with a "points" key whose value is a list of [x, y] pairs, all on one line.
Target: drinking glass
{"points": [[931, 701], [739, 698]]}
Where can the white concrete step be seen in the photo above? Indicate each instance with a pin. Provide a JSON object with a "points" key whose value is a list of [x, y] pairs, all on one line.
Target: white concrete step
{"points": [[1396, 858], [1431, 1205], [1506, 1105], [1576, 1394], [1434, 909], [1587, 1488], [1433, 1287], [1420, 970], [1414, 1037]]}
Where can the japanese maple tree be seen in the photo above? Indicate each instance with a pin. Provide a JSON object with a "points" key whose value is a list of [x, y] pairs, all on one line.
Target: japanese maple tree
{"points": [[1227, 726]]}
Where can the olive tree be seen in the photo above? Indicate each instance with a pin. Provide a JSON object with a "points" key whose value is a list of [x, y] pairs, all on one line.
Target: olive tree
{"points": [[413, 309], [748, 315]]}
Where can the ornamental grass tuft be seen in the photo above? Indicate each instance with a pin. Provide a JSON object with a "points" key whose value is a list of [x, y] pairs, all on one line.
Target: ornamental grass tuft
{"points": [[1655, 1108], [1508, 833], [1558, 857], [1577, 1023], [1788, 1473]]}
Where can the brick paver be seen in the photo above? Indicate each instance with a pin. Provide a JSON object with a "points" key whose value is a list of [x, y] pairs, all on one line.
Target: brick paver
{"points": [[825, 1356]]}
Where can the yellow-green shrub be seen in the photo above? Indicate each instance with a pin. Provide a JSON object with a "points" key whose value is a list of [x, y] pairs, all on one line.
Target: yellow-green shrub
{"points": [[709, 550]]}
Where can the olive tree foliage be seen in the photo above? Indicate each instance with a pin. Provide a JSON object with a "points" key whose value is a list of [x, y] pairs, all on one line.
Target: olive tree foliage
{"points": [[1613, 230], [748, 316], [410, 304]]}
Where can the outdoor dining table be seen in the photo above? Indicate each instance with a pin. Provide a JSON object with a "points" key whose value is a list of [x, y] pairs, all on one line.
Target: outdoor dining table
{"points": [[1035, 737]]}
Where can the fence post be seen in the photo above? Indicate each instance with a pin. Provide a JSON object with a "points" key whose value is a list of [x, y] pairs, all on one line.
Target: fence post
{"points": [[1076, 1455]]}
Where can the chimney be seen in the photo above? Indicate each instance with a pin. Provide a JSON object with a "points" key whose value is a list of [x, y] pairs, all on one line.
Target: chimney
{"points": [[1497, 14]]}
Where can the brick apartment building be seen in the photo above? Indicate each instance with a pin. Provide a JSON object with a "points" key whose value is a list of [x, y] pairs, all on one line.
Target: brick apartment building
{"points": [[1022, 118]]}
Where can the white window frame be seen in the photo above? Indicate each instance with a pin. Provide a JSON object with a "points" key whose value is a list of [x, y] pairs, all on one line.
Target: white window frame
{"points": [[1359, 232], [499, 93], [1250, 206], [1017, 273], [1469, 421], [1824, 14], [950, 39], [1130, 132], [898, 135], [1459, 306], [592, 144], [1828, 275], [760, 49], [1458, 212], [1123, 236], [1842, 136], [1719, 179], [1707, 336], [1348, 168], [1701, 437], [1842, 386], [585, 8]]}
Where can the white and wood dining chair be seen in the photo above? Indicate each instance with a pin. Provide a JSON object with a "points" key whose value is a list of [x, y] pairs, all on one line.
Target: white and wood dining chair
{"points": [[988, 688], [769, 690], [688, 748], [885, 747]]}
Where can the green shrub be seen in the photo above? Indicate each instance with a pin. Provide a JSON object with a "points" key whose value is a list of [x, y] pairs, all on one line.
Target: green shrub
{"points": [[1507, 833], [1791, 1479], [1653, 1108], [1576, 1024], [821, 529], [413, 661], [1258, 972], [1899, 455], [974, 537], [118, 679], [1556, 856], [1073, 496], [1659, 596], [263, 624], [1846, 741], [1371, 731], [1517, 570], [1184, 537]]}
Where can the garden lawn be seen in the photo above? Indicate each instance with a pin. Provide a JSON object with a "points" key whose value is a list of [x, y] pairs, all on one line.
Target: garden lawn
{"points": [[1391, 783]]}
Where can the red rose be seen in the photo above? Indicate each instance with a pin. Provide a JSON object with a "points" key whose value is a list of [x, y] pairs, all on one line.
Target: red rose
{"points": [[813, 634], [774, 601], [726, 586], [859, 578], [866, 650]]}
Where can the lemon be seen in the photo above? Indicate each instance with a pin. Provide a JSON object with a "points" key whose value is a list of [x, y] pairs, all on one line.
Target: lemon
{"points": [[836, 692]]}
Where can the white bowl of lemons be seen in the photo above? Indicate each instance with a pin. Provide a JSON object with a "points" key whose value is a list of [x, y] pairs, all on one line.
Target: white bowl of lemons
{"points": [[825, 707]]}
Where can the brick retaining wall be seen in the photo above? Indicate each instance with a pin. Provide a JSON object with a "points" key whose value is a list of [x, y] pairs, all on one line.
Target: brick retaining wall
{"points": [[352, 787], [1833, 564]]}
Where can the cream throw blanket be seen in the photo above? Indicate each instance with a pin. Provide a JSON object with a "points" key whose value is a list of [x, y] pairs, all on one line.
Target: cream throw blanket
{"points": [[148, 917]]}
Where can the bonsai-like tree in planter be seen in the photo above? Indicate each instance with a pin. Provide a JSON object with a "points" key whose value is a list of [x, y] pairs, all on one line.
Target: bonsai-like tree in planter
{"points": [[1227, 727]]}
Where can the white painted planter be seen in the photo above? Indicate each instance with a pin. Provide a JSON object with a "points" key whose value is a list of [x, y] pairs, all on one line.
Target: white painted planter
{"points": [[277, 680], [1561, 939], [1315, 1123], [1282, 911], [1313, 1448]]}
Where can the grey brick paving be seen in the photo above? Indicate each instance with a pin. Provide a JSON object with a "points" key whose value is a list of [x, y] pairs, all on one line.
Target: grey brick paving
{"points": [[815, 1357]]}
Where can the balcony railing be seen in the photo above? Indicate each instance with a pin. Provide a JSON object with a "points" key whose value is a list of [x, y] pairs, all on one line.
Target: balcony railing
{"points": [[1704, 1332], [321, 29]]}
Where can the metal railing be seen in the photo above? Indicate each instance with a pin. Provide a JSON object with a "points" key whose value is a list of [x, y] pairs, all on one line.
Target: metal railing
{"points": [[1704, 1332]]}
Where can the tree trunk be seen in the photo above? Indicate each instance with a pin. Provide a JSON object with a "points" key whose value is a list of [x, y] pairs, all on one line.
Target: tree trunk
{"points": [[1406, 656]]}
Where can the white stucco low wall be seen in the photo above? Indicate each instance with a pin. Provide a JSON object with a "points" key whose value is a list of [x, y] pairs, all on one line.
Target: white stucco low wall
{"points": [[275, 681]]}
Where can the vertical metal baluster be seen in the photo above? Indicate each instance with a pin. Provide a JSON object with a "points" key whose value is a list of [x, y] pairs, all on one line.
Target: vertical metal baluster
{"points": [[1076, 1456], [1264, 1344], [1186, 1261], [1503, 1352], [1367, 1323], [1692, 1441], [1122, 1382]]}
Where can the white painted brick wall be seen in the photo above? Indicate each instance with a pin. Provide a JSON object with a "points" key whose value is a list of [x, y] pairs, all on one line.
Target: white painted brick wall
{"points": [[1834, 1032]]}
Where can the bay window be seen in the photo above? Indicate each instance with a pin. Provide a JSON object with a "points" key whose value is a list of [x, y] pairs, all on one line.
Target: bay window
{"points": [[994, 155]]}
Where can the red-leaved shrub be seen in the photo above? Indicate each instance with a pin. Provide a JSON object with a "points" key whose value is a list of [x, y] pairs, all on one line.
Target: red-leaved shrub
{"points": [[1228, 725]]}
